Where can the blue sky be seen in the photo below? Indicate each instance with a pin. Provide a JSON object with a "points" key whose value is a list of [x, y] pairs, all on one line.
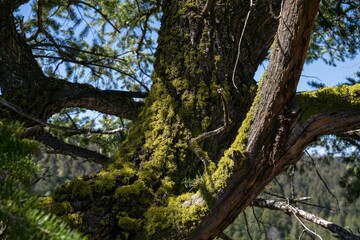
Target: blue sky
{"points": [[323, 73], [329, 75]]}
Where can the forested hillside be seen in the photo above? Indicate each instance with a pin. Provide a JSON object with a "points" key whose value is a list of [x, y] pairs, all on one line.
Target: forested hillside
{"points": [[298, 182]]}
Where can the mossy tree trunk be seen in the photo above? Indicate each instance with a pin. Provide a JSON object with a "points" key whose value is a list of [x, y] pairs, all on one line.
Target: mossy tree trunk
{"points": [[165, 181]]}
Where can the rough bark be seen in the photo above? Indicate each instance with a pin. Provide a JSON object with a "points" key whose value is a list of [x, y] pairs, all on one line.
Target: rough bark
{"points": [[141, 194], [270, 119]]}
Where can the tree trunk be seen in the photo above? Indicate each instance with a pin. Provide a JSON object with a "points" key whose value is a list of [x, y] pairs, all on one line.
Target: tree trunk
{"points": [[185, 171]]}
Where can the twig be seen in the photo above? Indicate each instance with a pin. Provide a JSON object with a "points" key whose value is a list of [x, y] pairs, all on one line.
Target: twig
{"points": [[322, 180], [207, 7], [273, 14], [258, 220], [239, 45], [299, 200], [194, 142], [303, 224], [247, 226]]}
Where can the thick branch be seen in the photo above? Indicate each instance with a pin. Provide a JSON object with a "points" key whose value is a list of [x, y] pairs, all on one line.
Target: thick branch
{"points": [[284, 70], [287, 208], [326, 111], [68, 149], [267, 131], [23, 83], [119, 103]]}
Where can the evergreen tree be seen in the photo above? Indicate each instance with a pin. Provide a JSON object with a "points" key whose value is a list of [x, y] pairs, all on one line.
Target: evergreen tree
{"points": [[207, 138]]}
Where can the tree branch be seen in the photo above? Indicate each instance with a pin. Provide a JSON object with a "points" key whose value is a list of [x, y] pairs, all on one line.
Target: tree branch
{"points": [[118, 103], [68, 149], [330, 110], [265, 129], [45, 124], [287, 208]]}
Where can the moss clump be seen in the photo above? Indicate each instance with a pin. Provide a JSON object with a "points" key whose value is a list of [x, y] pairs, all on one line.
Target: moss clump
{"points": [[74, 219], [58, 208], [130, 224], [80, 190], [77, 189], [217, 176], [106, 180], [328, 99], [181, 215], [128, 192]]}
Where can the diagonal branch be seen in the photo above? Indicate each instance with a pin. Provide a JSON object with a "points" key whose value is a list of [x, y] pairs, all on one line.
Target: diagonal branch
{"points": [[280, 81], [287, 208], [263, 130], [61, 147], [58, 145]]}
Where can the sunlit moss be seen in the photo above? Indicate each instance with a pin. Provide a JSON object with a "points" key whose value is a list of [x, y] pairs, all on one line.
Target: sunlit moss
{"points": [[182, 216], [328, 99], [129, 224], [130, 191], [74, 219]]}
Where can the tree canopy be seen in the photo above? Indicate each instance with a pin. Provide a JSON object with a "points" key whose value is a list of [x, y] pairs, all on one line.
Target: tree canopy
{"points": [[186, 138]]}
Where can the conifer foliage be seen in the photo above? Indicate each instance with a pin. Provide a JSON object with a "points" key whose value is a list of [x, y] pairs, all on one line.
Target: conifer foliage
{"points": [[21, 216]]}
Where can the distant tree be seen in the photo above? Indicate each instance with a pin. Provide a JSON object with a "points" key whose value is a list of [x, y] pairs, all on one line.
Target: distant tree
{"points": [[207, 138]]}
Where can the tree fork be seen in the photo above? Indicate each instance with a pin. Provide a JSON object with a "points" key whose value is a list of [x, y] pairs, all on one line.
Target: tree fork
{"points": [[276, 91]]}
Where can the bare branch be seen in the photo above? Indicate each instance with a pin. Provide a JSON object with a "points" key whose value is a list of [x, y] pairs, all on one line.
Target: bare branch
{"points": [[114, 102], [44, 124], [321, 178], [247, 226], [224, 236], [61, 147], [287, 208]]}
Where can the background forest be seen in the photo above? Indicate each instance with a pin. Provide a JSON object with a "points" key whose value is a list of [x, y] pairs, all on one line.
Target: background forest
{"points": [[316, 177]]}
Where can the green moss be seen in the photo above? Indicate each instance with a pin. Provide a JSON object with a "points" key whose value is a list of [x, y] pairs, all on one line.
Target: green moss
{"points": [[80, 190], [58, 208], [218, 176], [107, 179], [130, 224], [74, 219], [167, 186], [128, 192], [205, 123], [182, 215], [328, 99]]}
